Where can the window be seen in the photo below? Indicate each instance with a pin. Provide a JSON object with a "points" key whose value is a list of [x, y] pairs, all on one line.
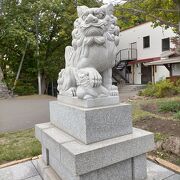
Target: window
{"points": [[146, 41], [165, 44]]}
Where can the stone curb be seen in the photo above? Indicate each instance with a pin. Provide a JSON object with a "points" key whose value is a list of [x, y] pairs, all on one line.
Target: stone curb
{"points": [[18, 161], [164, 163]]}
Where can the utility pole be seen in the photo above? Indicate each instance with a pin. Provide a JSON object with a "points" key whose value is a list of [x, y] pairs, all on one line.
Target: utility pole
{"points": [[37, 55]]}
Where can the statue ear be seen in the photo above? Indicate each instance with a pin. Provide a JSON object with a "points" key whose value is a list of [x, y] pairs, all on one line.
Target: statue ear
{"points": [[109, 9], [81, 10]]}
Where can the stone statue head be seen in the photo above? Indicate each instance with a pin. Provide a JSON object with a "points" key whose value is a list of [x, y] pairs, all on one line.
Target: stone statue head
{"points": [[94, 21]]}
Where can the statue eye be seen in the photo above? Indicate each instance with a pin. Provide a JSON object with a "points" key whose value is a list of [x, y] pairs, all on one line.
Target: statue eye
{"points": [[100, 15], [85, 15]]}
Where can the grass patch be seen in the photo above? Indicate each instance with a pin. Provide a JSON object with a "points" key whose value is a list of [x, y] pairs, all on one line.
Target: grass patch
{"points": [[156, 107], [18, 145], [159, 137], [161, 116], [169, 106], [177, 115]]}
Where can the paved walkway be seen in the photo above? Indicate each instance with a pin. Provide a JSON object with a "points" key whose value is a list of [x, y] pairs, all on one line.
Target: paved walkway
{"points": [[23, 112], [28, 171]]}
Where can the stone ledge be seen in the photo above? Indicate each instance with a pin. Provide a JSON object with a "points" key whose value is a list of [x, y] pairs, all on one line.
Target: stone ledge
{"points": [[89, 103], [91, 125], [79, 158]]}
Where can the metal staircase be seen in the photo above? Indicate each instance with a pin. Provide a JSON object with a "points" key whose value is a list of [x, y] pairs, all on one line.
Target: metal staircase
{"points": [[120, 71]]}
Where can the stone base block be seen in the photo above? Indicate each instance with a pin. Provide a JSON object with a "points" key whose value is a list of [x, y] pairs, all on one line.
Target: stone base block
{"points": [[118, 171], [121, 158], [46, 172], [91, 125], [89, 103]]}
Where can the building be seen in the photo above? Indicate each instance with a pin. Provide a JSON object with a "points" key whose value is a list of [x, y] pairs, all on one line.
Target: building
{"points": [[146, 54]]}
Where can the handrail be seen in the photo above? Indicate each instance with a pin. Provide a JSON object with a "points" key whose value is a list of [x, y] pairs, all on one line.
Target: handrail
{"points": [[127, 54]]}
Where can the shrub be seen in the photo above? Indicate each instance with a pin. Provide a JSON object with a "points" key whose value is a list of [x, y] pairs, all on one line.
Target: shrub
{"points": [[169, 106], [177, 84], [25, 89], [162, 88], [177, 115]]}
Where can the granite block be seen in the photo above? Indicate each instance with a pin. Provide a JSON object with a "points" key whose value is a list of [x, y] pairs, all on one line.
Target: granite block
{"points": [[41, 167], [80, 158], [60, 169], [105, 153], [39, 128], [139, 165], [45, 155], [35, 178], [88, 103], [46, 172], [91, 125], [156, 172], [174, 177], [50, 174], [52, 138], [118, 171], [19, 171]]}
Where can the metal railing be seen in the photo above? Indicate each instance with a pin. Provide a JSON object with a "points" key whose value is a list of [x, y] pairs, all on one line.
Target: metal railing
{"points": [[128, 54], [120, 70]]}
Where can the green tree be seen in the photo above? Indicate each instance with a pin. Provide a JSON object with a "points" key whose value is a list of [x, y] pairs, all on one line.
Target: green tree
{"points": [[46, 25], [161, 12]]}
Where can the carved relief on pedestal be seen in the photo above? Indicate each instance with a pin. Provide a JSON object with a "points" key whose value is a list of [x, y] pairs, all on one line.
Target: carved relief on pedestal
{"points": [[89, 61]]}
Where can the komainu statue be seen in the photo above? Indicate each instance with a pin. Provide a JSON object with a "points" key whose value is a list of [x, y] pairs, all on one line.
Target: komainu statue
{"points": [[89, 61]]}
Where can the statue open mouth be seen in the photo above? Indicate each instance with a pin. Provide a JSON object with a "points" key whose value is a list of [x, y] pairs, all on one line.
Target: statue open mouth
{"points": [[93, 31]]}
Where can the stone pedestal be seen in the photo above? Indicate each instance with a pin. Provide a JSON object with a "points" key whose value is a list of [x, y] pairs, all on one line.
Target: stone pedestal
{"points": [[96, 143], [91, 125], [4, 92]]}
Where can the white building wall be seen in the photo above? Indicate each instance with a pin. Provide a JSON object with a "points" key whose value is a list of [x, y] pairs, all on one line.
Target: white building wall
{"points": [[131, 78], [137, 33], [176, 70], [137, 73], [161, 73]]}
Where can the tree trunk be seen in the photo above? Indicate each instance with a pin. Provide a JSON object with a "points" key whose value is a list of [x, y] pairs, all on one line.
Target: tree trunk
{"points": [[44, 85]]}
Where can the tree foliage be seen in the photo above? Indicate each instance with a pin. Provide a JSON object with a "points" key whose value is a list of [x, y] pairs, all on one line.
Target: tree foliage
{"points": [[46, 25], [161, 12]]}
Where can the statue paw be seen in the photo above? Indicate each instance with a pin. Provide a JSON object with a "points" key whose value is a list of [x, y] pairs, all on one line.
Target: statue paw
{"points": [[72, 91], [113, 90], [95, 78], [88, 97]]}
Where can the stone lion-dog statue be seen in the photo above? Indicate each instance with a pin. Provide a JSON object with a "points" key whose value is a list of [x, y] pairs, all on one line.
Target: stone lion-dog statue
{"points": [[90, 59]]}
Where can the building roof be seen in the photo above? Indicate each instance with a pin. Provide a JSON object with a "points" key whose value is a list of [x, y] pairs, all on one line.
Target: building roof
{"points": [[144, 60], [135, 26], [175, 60]]}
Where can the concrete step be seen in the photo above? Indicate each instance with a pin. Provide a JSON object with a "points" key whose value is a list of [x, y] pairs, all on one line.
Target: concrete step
{"points": [[131, 88]]}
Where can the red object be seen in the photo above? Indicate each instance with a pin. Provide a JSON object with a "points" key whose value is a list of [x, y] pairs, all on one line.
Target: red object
{"points": [[144, 60]]}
